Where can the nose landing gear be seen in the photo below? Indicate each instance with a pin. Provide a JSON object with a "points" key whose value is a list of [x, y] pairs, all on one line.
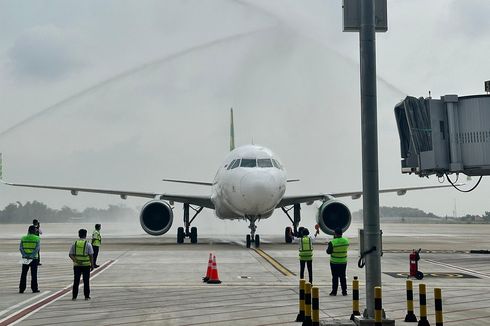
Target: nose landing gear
{"points": [[252, 236]]}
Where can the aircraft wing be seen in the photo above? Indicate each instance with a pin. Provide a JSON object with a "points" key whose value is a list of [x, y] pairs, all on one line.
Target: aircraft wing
{"points": [[309, 199], [204, 201]]}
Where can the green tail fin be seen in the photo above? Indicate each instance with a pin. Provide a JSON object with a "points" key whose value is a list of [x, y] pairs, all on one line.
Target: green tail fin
{"points": [[232, 131]]}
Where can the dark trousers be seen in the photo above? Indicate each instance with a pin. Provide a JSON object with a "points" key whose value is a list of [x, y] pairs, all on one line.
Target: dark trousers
{"points": [[78, 271], [96, 253], [23, 276], [309, 264], [338, 272]]}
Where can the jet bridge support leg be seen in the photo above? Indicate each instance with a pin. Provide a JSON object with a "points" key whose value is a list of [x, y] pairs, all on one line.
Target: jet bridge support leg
{"points": [[189, 231]]}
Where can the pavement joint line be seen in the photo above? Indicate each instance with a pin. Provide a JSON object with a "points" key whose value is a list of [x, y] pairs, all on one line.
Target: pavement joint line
{"points": [[3, 312], [457, 268], [281, 268], [22, 314]]}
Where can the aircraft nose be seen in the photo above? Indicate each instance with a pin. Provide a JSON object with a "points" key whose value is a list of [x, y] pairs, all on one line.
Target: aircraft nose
{"points": [[258, 191]]}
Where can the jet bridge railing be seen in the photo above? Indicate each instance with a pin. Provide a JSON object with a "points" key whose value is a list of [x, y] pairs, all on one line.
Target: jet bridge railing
{"points": [[444, 136]]}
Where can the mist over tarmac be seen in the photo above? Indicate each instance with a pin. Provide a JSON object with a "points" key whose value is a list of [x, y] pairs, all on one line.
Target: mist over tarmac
{"points": [[143, 92]]}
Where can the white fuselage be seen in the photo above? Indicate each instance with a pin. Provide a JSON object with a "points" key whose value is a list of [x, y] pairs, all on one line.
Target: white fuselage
{"points": [[249, 184]]}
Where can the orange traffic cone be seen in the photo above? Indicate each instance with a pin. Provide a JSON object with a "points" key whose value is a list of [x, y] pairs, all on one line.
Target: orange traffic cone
{"points": [[214, 278], [210, 268]]}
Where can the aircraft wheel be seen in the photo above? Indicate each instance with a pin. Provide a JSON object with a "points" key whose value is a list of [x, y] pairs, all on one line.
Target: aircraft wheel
{"points": [[257, 241], [249, 240], [180, 235], [193, 234], [288, 235]]}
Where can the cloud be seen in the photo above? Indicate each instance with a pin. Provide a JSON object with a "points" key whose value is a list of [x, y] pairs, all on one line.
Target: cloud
{"points": [[45, 52]]}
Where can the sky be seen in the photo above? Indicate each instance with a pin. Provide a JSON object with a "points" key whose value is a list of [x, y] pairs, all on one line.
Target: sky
{"points": [[120, 94]]}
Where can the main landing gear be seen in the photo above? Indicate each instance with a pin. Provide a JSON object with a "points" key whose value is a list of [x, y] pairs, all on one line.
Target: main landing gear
{"points": [[190, 232], [252, 237], [290, 233]]}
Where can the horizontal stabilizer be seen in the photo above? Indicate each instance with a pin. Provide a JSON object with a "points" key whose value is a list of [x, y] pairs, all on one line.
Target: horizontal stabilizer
{"points": [[292, 180]]}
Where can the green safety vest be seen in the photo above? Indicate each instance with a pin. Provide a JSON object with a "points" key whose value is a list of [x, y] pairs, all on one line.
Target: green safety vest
{"points": [[305, 249], [339, 252], [96, 238], [29, 243], [81, 258]]}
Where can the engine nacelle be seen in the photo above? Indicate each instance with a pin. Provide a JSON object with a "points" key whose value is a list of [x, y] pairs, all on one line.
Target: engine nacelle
{"points": [[156, 217], [333, 214]]}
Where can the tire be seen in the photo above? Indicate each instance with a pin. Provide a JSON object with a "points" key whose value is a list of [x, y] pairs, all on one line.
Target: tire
{"points": [[249, 241], [180, 235], [419, 275], [257, 241], [287, 235], [193, 234]]}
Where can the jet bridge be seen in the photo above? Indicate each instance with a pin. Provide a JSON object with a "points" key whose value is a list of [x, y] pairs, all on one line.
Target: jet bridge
{"points": [[444, 136]]}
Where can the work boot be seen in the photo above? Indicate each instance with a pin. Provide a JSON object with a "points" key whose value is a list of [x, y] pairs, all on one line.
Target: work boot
{"points": [[344, 293], [332, 294]]}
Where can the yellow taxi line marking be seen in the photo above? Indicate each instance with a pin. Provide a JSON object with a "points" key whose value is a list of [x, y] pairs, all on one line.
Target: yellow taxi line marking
{"points": [[274, 263]]}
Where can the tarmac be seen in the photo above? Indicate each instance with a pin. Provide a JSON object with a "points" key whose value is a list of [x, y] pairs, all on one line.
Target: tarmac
{"points": [[146, 280]]}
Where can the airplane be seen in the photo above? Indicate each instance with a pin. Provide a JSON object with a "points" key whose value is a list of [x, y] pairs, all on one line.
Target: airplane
{"points": [[250, 184]]}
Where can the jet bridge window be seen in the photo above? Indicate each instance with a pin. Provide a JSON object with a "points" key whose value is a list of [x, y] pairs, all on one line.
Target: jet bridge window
{"points": [[264, 163], [248, 163], [236, 163]]}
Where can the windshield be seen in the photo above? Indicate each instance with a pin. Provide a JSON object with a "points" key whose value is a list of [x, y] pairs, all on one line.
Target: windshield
{"points": [[276, 164], [264, 163], [236, 163], [248, 163]]}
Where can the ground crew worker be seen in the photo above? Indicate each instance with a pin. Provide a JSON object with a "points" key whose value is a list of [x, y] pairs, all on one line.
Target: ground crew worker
{"points": [[96, 241], [306, 254], [29, 249], [38, 232], [81, 253], [337, 248]]}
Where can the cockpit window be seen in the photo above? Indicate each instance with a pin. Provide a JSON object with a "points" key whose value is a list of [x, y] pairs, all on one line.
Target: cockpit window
{"points": [[248, 163], [235, 164], [230, 165], [264, 163], [276, 164]]}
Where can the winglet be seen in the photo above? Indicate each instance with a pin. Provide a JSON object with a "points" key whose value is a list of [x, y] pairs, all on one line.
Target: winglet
{"points": [[232, 131]]}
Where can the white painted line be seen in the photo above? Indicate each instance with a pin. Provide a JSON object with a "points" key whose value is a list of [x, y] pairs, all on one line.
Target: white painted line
{"points": [[56, 296], [3, 312], [461, 269]]}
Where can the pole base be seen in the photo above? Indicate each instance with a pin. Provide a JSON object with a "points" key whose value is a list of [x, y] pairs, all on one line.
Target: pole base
{"points": [[301, 316], [354, 314], [360, 321], [410, 318], [423, 322], [307, 321]]}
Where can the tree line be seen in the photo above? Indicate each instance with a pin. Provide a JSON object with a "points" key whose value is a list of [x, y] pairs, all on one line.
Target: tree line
{"points": [[24, 213]]}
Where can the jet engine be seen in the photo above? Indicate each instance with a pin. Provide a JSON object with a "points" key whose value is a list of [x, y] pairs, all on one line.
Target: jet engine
{"points": [[156, 217], [333, 214]]}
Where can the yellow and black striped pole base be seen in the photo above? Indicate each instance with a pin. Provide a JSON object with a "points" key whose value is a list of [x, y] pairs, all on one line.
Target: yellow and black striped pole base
{"points": [[423, 306], [315, 306], [307, 319], [301, 314], [355, 298], [378, 307], [410, 317], [438, 305]]}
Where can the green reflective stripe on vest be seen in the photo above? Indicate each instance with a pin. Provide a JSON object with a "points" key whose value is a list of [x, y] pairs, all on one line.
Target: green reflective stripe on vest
{"points": [[81, 258], [96, 238], [305, 249], [29, 243], [339, 252]]}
